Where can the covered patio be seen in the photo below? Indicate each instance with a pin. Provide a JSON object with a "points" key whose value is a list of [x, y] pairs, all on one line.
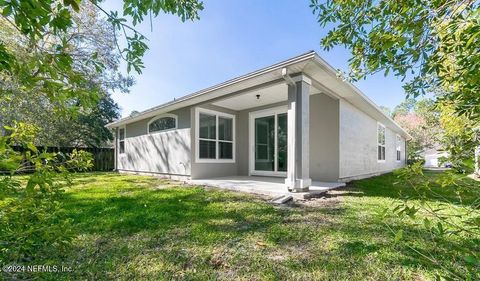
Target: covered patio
{"points": [[269, 186]]}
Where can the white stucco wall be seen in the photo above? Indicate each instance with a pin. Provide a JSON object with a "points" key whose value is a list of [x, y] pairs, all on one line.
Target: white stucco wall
{"points": [[358, 145], [160, 153]]}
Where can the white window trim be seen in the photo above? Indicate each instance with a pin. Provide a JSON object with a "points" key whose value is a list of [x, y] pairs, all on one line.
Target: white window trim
{"points": [[398, 147], [159, 117], [378, 143], [124, 127], [217, 114]]}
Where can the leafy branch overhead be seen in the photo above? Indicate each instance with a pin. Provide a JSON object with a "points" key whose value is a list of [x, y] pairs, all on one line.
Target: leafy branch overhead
{"points": [[433, 45], [45, 24]]}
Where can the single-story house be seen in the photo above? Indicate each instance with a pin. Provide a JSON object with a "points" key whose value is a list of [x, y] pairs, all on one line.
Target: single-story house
{"points": [[296, 119]]}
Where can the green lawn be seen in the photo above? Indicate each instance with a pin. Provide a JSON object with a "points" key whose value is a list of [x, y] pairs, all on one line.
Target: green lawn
{"points": [[142, 228]]}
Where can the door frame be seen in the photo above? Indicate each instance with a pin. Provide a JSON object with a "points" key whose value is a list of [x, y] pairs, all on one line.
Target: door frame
{"points": [[251, 143]]}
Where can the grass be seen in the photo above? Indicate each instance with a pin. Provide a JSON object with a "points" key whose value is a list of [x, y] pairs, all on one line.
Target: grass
{"points": [[142, 228]]}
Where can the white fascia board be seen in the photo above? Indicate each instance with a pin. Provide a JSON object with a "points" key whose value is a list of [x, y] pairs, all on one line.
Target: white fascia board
{"points": [[326, 66], [201, 96]]}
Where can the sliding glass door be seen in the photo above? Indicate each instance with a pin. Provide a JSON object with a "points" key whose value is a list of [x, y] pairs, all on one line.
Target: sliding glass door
{"points": [[265, 143], [269, 142]]}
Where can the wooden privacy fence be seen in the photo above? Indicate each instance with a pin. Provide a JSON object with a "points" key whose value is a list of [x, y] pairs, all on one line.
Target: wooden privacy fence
{"points": [[103, 158]]}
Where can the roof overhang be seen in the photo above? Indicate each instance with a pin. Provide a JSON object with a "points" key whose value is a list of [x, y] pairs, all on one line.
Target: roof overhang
{"points": [[324, 77]]}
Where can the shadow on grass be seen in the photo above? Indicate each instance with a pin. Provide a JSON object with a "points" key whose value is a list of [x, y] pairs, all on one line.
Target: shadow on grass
{"points": [[128, 230], [164, 209]]}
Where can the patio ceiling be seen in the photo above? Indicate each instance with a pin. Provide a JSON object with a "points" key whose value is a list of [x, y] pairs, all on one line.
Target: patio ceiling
{"points": [[268, 95]]}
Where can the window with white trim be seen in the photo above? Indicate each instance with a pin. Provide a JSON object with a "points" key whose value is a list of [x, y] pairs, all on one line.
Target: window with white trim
{"points": [[162, 123], [380, 142], [121, 140], [215, 136], [399, 148]]}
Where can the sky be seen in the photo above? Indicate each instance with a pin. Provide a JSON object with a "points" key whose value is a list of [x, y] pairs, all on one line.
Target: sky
{"points": [[233, 38]]}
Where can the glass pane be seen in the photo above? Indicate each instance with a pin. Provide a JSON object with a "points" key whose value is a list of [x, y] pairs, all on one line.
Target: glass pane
{"points": [[379, 156], [225, 128], [381, 135], [162, 124], [121, 134], [225, 150], [122, 147], [264, 143], [207, 149], [282, 142], [383, 152], [207, 126]]}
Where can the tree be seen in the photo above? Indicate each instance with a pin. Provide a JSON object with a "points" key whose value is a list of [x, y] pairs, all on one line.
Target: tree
{"points": [[421, 120], [416, 126], [386, 110], [91, 34], [459, 138], [434, 45], [405, 107], [53, 70], [40, 62]]}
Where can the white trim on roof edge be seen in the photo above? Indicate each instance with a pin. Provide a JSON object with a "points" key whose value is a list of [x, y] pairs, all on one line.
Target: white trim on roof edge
{"points": [[189, 99], [239, 79]]}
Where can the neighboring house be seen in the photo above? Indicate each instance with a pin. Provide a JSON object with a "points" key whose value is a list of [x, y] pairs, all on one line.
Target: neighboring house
{"points": [[433, 158], [296, 119]]}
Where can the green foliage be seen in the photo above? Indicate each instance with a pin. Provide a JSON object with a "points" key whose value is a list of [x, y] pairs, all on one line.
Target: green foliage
{"points": [[432, 44], [38, 19], [31, 210], [60, 59], [67, 122], [179, 232], [436, 125], [437, 218], [459, 138], [420, 118]]}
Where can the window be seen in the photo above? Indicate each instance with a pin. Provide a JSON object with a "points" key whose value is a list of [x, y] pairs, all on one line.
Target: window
{"points": [[162, 123], [215, 136], [121, 140], [381, 142], [399, 148]]}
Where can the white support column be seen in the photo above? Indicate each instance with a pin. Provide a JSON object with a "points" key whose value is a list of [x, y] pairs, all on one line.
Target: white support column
{"points": [[298, 169]]}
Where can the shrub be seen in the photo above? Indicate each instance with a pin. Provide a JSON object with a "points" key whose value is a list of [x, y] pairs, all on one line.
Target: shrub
{"points": [[438, 221], [31, 210]]}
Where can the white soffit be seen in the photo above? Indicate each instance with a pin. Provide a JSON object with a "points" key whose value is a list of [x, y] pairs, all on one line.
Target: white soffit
{"points": [[269, 95]]}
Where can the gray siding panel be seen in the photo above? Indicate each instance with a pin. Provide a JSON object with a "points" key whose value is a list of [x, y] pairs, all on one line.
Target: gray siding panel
{"points": [[139, 128], [165, 152], [324, 138]]}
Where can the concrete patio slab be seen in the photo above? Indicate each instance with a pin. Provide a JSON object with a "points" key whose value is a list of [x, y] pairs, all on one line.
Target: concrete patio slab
{"points": [[269, 186]]}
